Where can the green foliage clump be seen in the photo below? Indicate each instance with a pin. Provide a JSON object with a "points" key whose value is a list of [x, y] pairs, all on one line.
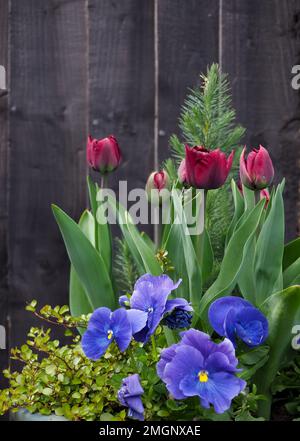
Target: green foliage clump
{"points": [[59, 379], [124, 269], [207, 119]]}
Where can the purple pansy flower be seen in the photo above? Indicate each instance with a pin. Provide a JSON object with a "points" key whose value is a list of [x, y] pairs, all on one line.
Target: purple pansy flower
{"points": [[150, 295], [106, 326], [129, 395], [199, 367], [234, 317]]}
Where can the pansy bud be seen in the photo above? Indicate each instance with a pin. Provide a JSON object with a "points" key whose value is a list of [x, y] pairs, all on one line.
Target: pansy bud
{"points": [[103, 155], [156, 183], [256, 170]]}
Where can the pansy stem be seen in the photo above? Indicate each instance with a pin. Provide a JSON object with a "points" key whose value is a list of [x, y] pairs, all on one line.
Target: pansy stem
{"points": [[154, 350]]}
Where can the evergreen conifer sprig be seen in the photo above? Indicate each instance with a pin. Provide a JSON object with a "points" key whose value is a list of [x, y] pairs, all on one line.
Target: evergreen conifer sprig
{"points": [[207, 116]]}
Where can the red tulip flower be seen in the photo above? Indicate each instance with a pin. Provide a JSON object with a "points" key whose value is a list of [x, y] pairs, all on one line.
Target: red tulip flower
{"points": [[206, 169], [103, 155], [256, 171]]}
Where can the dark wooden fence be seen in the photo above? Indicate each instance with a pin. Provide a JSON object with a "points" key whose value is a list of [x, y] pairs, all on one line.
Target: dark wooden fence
{"points": [[122, 67]]}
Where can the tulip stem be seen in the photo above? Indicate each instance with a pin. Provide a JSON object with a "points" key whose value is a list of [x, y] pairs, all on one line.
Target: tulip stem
{"points": [[103, 182]]}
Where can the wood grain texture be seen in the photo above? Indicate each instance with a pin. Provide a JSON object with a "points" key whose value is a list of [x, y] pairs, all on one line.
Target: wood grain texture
{"points": [[188, 43], [121, 82], [48, 112], [3, 181], [260, 44]]}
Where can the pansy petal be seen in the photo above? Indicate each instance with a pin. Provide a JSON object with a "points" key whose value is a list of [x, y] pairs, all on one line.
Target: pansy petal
{"points": [[177, 303], [142, 297], [165, 357], [252, 326], [218, 310], [100, 319], [222, 388], [133, 385], [187, 362], [121, 328], [94, 343], [163, 283], [229, 325], [135, 415], [135, 404], [198, 340], [218, 361], [138, 319]]}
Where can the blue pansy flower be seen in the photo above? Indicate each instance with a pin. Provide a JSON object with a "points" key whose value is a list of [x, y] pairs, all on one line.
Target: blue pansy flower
{"points": [[150, 296], [199, 367], [234, 317], [106, 326], [130, 394]]}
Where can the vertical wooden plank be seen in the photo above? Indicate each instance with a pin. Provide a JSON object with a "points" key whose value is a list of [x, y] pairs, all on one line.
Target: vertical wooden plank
{"points": [[260, 44], [47, 150], [3, 181], [121, 79], [188, 43]]}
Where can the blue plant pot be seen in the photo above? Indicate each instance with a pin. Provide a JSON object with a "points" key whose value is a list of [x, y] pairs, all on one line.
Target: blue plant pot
{"points": [[24, 415]]}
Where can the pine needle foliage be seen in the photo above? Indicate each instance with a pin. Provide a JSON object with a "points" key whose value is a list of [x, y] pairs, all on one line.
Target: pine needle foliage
{"points": [[125, 272], [207, 116]]}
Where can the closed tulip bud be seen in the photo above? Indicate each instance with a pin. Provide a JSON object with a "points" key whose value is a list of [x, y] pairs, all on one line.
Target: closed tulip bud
{"points": [[205, 169], [256, 170], [156, 183], [103, 155], [264, 194], [182, 172]]}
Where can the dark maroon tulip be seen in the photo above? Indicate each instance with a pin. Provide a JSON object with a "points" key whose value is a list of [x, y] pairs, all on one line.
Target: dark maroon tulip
{"points": [[103, 155], [256, 171], [202, 168]]}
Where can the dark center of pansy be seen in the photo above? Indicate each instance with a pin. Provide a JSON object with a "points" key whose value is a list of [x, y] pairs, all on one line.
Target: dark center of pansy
{"points": [[203, 376], [178, 319]]}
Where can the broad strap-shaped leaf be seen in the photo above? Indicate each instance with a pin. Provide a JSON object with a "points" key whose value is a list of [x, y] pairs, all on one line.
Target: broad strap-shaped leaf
{"points": [[142, 253], [102, 233], [233, 260], [246, 279], [182, 254], [291, 253], [269, 250], [239, 206], [291, 274], [78, 298], [87, 262], [282, 310]]}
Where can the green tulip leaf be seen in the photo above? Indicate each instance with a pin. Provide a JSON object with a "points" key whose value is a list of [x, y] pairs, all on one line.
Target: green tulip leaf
{"points": [[269, 250], [79, 300], [142, 253], [87, 262], [233, 259], [282, 310], [291, 253], [183, 257]]}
